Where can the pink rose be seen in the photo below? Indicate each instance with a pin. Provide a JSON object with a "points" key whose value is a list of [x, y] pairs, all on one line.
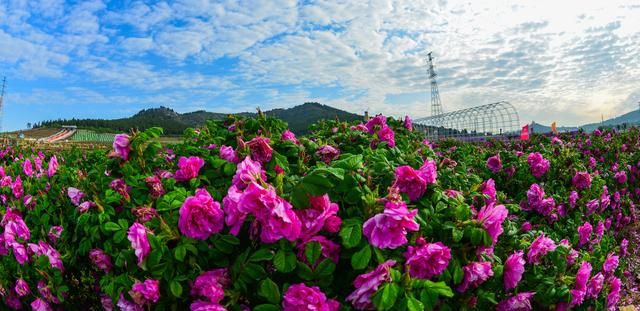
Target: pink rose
{"points": [[145, 292], [137, 235], [491, 217], [200, 216], [248, 171], [188, 168], [389, 229], [581, 180], [367, 284], [427, 260], [475, 273], [121, 146], [229, 154], [211, 284], [387, 134], [75, 195], [408, 124], [274, 214], [100, 259], [314, 217], [410, 182], [540, 247], [328, 153], [585, 233], [22, 288], [519, 302], [494, 164], [513, 270], [27, 168], [289, 136], [300, 297], [260, 149], [539, 165]]}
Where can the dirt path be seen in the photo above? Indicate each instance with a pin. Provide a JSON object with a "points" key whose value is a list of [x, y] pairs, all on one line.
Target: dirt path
{"points": [[631, 292]]}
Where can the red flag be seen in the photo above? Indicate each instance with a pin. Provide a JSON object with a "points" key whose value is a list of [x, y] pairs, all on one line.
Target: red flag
{"points": [[524, 135]]}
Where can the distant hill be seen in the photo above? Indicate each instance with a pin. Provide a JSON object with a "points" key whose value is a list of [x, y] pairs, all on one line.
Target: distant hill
{"points": [[630, 119], [299, 118], [539, 128]]}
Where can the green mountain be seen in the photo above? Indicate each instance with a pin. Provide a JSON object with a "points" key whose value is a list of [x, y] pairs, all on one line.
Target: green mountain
{"points": [[299, 118]]}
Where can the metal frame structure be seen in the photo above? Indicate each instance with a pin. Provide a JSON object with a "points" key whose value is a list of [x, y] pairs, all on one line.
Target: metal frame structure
{"points": [[436, 104], [477, 123]]}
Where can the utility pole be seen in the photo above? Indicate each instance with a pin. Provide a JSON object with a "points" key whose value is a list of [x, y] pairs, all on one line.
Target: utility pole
{"points": [[4, 83]]}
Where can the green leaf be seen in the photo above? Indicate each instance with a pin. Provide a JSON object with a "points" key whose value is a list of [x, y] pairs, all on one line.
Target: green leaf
{"points": [[457, 235], [303, 271], [441, 288], [312, 251], [458, 274], [230, 239], [429, 299], [269, 290], [176, 288], [266, 307], [386, 296], [261, 254], [120, 259], [123, 223], [351, 233], [119, 236], [112, 226], [349, 162], [284, 261], [325, 268], [223, 246], [154, 132], [154, 242], [477, 236], [361, 258], [255, 271], [414, 304], [486, 239], [180, 252], [229, 169]]}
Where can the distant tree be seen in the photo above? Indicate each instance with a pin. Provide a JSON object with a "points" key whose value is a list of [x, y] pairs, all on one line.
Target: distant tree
{"points": [[28, 125]]}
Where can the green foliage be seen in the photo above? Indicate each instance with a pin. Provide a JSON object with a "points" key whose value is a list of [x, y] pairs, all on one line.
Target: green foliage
{"points": [[359, 181]]}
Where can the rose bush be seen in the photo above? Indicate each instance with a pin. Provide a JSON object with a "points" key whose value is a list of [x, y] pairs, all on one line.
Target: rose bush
{"points": [[355, 216]]}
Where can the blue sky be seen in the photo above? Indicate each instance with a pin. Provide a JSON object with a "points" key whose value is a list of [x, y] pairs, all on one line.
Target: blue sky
{"points": [[567, 61]]}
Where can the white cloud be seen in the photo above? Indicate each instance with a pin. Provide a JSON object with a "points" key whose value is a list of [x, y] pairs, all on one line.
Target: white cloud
{"points": [[30, 60], [82, 17], [141, 16], [145, 78], [571, 60], [48, 8], [136, 45]]}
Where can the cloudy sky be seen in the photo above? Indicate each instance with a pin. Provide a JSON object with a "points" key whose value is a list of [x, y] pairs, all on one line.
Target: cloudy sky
{"points": [[563, 60]]}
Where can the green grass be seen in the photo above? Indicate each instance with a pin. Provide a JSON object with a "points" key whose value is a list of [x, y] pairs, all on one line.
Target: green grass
{"points": [[85, 135]]}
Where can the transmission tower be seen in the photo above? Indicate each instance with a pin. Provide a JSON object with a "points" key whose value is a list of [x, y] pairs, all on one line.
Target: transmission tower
{"points": [[4, 83], [436, 105]]}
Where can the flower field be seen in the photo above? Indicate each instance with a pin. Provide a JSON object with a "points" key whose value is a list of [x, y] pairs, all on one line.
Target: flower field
{"points": [[244, 215]]}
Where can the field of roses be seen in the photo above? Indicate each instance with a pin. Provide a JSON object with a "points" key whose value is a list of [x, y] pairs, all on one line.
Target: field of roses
{"points": [[244, 215]]}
